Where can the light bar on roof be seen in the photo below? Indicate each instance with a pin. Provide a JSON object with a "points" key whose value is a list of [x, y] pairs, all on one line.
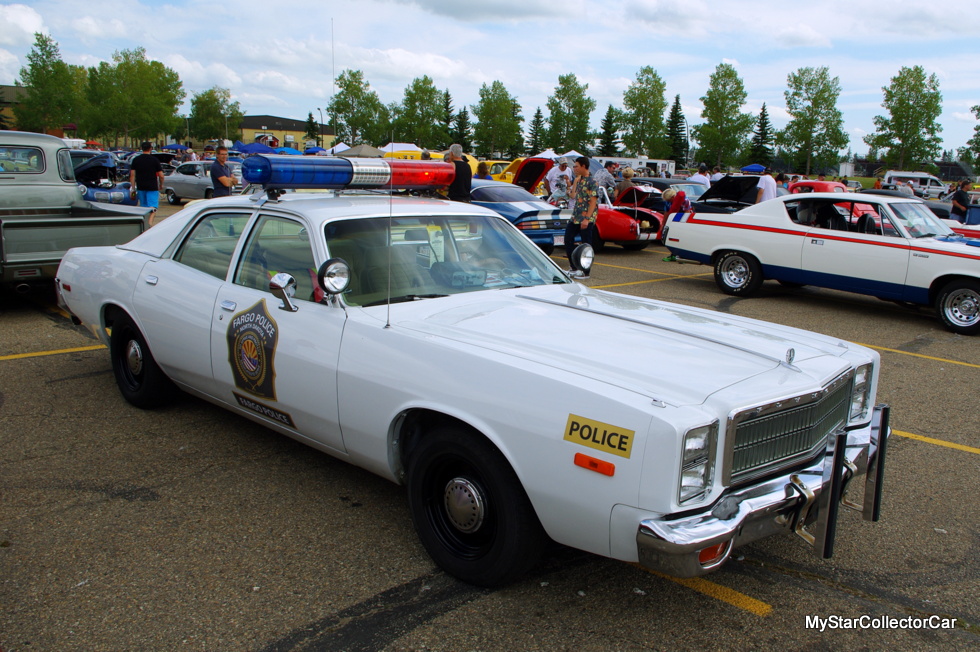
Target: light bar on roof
{"points": [[328, 172]]}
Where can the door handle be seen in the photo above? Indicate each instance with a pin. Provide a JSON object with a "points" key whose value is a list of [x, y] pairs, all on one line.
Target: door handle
{"points": [[152, 280], [229, 306]]}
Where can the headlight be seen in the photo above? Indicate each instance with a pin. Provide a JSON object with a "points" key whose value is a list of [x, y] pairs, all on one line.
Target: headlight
{"points": [[696, 462], [861, 393]]}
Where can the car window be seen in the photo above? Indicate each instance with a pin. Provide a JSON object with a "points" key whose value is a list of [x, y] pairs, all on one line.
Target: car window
{"points": [[278, 245], [21, 160], [188, 168], [65, 167], [211, 243], [918, 221], [434, 257]]}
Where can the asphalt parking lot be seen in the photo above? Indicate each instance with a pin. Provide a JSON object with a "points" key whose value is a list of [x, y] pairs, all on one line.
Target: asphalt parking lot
{"points": [[191, 528]]}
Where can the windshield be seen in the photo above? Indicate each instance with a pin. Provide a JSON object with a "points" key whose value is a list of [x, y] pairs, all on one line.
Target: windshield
{"points": [[692, 190], [918, 220], [509, 193], [433, 257]]}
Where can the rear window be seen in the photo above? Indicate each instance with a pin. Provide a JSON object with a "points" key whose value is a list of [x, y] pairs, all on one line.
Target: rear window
{"points": [[501, 194], [21, 160]]}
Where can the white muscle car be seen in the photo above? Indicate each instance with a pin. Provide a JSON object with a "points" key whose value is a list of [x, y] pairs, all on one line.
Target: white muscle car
{"points": [[887, 247], [432, 343]]}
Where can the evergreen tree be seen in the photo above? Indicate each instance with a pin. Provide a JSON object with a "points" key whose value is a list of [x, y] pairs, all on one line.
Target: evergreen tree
{"points": [[312, 129], [677, 134], [536, 134], [608, 136], [762, 139], [462, 131], [448, 117]]}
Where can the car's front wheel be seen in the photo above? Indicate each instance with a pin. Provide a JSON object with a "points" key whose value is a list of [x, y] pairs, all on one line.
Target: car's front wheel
{"points": [[140, 379], [470, 510], [958, 306], [635, 246], [172, 197], [209, 193], [737, 273]]}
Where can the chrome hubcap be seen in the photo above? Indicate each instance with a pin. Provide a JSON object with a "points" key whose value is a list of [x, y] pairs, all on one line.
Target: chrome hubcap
{"points": [[736, 272], [134, 357], [464, 505], [963, 307]]}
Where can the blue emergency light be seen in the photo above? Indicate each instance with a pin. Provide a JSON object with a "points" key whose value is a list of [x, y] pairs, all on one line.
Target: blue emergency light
{"points": [[329, 172]]}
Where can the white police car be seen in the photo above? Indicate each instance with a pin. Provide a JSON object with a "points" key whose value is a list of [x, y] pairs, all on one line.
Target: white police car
{"points": [[888, 247], [432, 343]]}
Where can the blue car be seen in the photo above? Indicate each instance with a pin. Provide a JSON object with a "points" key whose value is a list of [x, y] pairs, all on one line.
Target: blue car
{"points": [[97, 173], [542, 222]]}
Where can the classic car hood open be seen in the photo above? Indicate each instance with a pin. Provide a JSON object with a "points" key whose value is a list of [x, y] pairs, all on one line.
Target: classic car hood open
{"points": [[668, 352], [733, 188]]}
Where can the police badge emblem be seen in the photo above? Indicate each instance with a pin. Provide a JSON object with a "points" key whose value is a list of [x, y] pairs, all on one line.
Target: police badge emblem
{"points": [[252, 339]]}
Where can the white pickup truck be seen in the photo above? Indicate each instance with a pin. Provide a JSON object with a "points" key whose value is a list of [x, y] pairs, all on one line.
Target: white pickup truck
{"points": [[43, 213]]}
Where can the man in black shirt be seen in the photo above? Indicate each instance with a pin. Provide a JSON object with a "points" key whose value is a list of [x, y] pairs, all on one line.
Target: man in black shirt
{"points": [[146, 179], [459, 189], [960, 199]]}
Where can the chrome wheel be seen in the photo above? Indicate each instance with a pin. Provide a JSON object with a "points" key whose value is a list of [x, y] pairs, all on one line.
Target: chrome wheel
{"points": [[134, 356], [735, 272]]}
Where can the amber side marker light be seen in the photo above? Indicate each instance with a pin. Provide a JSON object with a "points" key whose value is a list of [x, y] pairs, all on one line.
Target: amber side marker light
{"points": [[593, 464], [713, 554]]}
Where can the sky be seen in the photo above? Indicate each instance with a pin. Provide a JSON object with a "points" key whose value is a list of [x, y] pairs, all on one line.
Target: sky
{"points": [[279, 58]]}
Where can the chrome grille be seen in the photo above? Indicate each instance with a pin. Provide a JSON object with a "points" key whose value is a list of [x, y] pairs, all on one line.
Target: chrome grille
{"points": [[775, 435]]}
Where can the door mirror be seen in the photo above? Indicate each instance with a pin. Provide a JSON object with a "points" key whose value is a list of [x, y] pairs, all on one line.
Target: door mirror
{"points": [[283, 287]]}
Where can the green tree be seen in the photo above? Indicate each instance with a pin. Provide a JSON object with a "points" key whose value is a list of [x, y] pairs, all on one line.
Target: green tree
{"points": [[50, 99], [312, 129], [497, 129], [358, 114], [419, 116], [569, 108], [462, 131], [724, 132], [644, 104], [536, 133], [448, 118], [677, 133], [910, 132], [134, 97], [212, 113], [815, 133], [609, 132], [972, 149], [763, 137]]}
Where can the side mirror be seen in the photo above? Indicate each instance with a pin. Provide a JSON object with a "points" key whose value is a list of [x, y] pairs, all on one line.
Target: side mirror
{"points": [[334, 276], [582, 257], [283, 287]]}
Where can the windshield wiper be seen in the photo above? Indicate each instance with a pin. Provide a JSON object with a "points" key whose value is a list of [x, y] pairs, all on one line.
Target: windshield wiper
{"points": [[403, 298]]}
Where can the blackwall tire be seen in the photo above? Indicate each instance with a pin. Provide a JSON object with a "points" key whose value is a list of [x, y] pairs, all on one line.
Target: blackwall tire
{"points": [[958, 306], [140, 380], [738, 274]]}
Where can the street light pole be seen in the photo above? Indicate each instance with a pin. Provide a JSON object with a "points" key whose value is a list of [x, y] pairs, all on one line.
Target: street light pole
{"points": [[319, 131]]}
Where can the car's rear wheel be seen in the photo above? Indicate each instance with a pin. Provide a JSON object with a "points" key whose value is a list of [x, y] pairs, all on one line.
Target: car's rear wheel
{"points": [[470, 510], [958, 306], [172, 197], [635, 246], [737, 273], [140, 379], [209, 193], [548, 249]]}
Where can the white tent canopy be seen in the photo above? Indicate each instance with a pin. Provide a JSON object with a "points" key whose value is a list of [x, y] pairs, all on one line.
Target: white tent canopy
{"points": [[400, 147], [571, 154], [548, 153], [339, 147]]}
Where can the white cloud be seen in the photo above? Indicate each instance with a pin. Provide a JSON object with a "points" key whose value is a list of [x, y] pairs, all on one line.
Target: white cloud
{"points": [[965, 117], [20, 22], [199, 77], [498, 10], [92, 29], [9, 67]]}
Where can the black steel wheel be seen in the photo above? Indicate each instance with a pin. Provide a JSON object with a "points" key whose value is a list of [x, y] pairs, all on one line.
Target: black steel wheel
{"points": [[172, 197], [209, 193], [470, 510], [737, 273], [140, 379], [958, 306]]}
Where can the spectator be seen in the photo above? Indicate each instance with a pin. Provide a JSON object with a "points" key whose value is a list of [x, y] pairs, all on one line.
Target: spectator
{"points": [[482, 171], [146, 179], [558, 180], [781, 181], [459, 189], [821, 177], [426, 156], [716, 173], [627, 182], [961, 200], [604, 177], [767, 187], [221, 177], [586, 195], [877, 183], [701, 177]]}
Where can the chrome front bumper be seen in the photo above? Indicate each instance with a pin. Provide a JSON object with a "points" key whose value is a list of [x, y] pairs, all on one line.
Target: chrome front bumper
{"points": [[805, 502]]}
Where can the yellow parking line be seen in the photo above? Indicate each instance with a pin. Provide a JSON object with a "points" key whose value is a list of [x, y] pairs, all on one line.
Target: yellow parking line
{"points": [[919, 355], [937, 442], [38, 354], [718, 592]]}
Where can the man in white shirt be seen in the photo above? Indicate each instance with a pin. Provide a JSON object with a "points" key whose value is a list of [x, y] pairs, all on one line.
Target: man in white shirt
{"points": [[716, 174], [559, 179], [766, 186], [701, 177]]}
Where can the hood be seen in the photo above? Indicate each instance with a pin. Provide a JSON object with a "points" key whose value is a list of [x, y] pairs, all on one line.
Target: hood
{"points": [[96, 163], [663, 351], [733, 188], [531, 172]]}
